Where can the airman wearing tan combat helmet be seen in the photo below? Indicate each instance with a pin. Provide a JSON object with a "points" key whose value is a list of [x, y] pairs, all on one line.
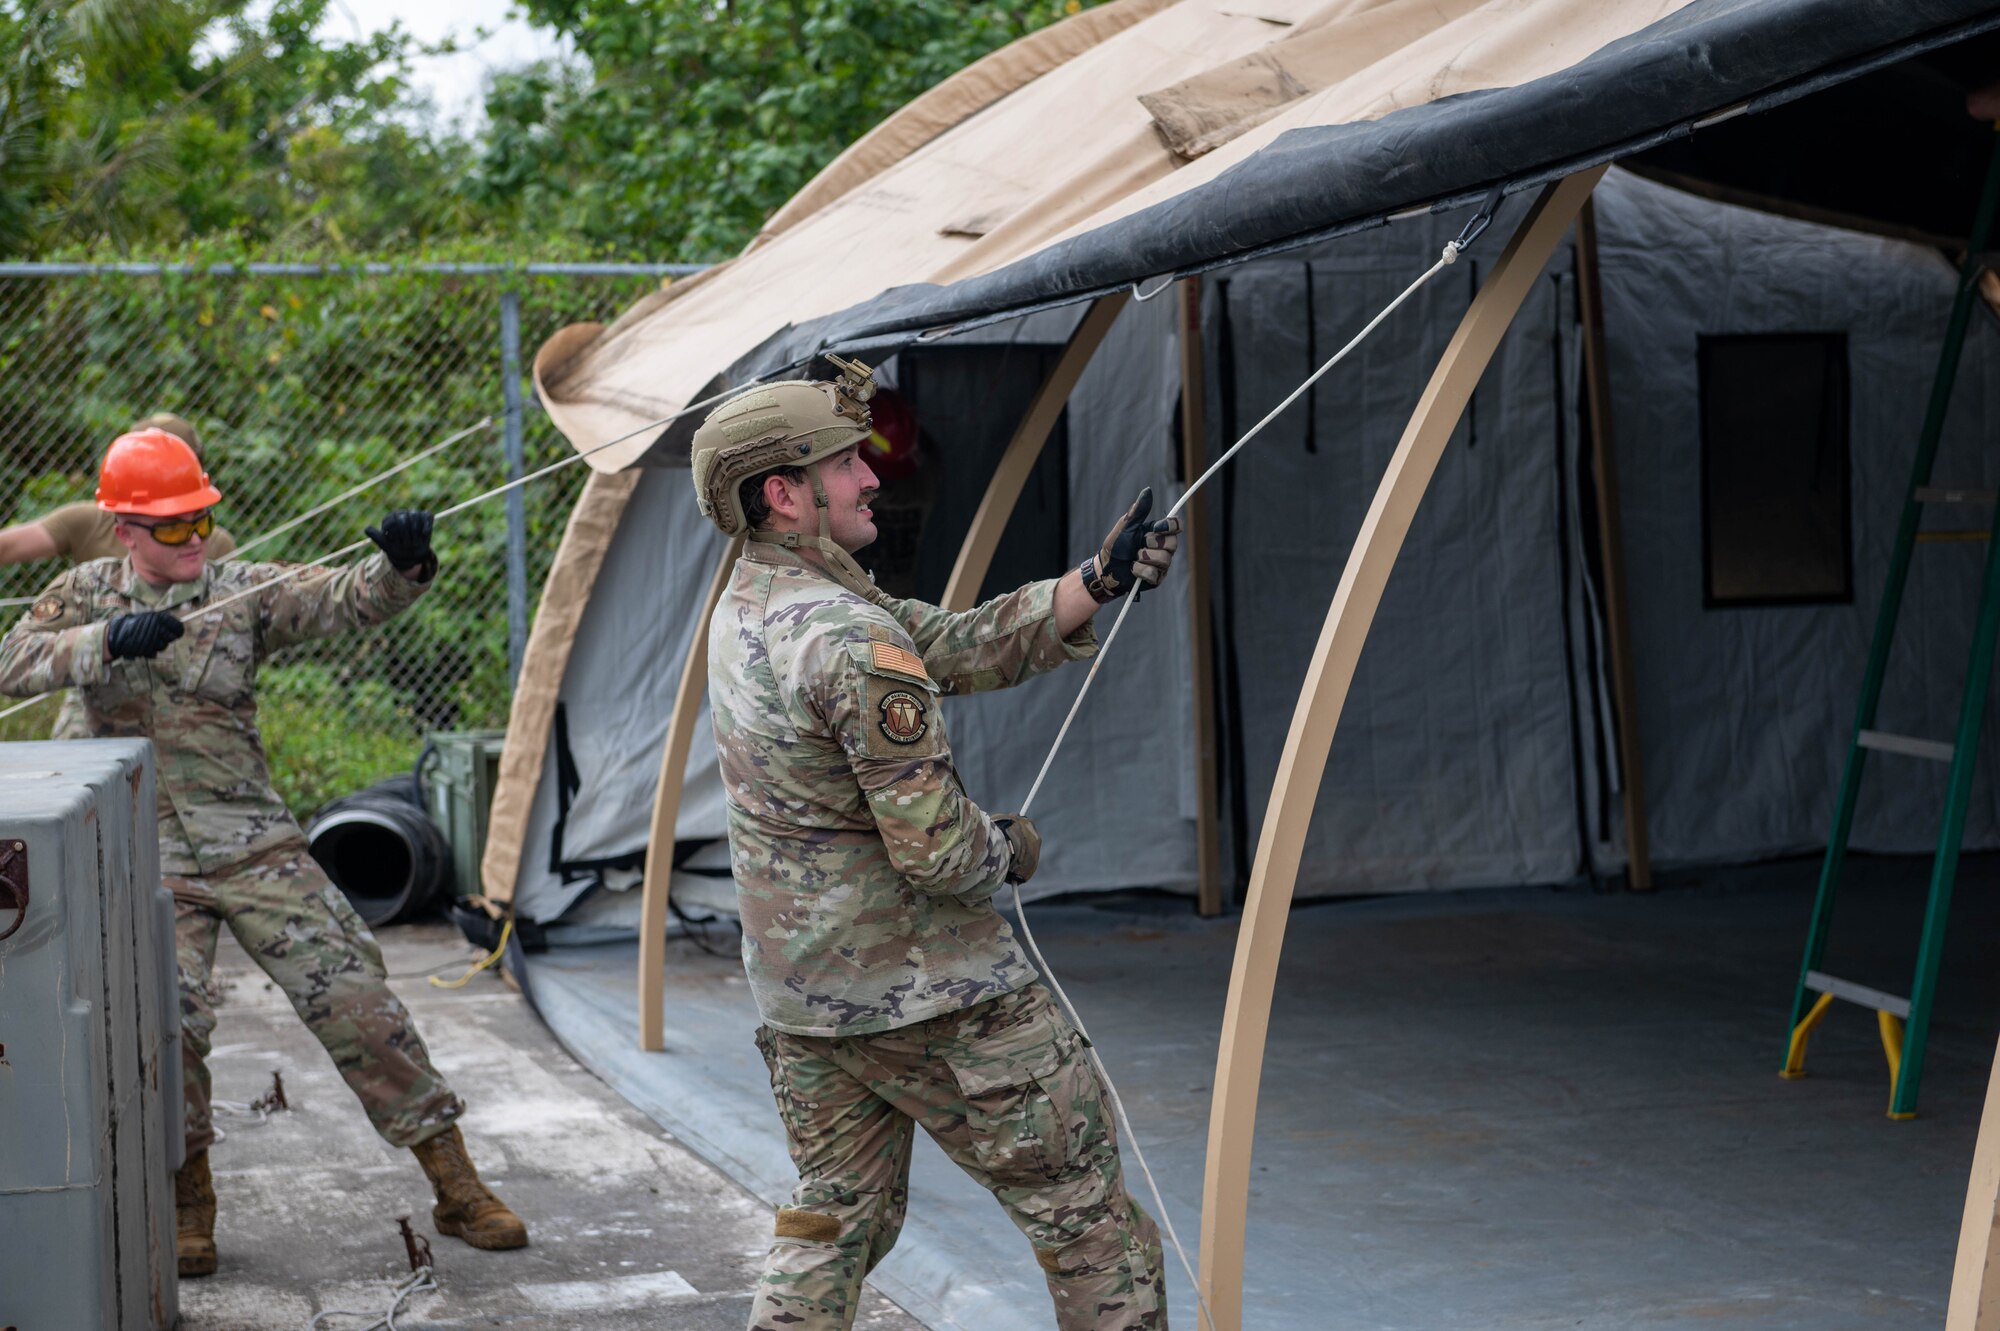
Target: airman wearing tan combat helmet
{"points": [[892, 993]]}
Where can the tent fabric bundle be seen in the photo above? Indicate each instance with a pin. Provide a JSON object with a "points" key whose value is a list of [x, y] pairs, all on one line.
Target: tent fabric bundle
{"points": [[1217, 132]]}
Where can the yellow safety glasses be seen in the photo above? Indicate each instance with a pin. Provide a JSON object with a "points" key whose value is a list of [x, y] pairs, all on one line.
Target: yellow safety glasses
{"points": [[180, 531]]}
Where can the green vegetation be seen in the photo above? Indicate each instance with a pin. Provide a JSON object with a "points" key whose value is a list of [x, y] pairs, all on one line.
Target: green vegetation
{"points": [[30, 723], [128, 125], [304, 387], [700, 119], [327, 737], [226, 131]]}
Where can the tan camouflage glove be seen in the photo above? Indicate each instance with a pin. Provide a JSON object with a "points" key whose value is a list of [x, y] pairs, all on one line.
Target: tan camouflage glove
{"points": [[1135, 553], [1024, 842]]}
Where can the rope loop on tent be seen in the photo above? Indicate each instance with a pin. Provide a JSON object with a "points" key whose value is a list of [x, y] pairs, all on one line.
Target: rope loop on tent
{"points": [[1141, 297], [1449, 255]]}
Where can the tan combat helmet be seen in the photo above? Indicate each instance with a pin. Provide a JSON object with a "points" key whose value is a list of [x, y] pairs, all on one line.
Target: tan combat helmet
{"points": [[790, 423]]}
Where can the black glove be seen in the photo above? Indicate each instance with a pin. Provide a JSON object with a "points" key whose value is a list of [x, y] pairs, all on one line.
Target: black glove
{"points": [[141, 636], [1024, 842], [405, 537], [1135, 553]]}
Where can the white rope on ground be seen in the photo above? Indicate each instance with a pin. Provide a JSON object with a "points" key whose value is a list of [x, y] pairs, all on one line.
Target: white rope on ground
{"points": [[256, 1118], [1445, 259], [238, 1109], [495, 492], [423, 1282]]}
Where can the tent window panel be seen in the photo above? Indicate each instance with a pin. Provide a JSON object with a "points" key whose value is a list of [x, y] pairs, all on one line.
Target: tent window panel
{"points": [[1775, 470], [967, 402]]}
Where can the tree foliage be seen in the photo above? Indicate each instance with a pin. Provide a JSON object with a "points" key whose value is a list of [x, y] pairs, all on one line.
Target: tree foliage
{"points": [[138, 126], [134, 124], [700, 118]]}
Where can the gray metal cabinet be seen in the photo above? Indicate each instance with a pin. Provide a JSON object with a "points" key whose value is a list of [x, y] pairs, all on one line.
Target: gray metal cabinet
{"points": [[90, 1072]]}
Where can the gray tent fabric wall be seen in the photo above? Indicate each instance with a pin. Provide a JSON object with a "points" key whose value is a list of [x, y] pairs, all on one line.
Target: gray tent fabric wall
{"points": [[616, 698], [1453, 762], [1745, 713], [1118, 807], [625, 666], [1476, 747]]}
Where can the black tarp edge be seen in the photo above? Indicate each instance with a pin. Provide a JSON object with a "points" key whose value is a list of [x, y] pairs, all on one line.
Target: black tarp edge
{"points": [[1710, 58]]}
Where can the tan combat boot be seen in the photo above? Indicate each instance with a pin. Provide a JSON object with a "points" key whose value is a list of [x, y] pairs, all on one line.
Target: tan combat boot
{"points": [[465, 1209], [194, 1217]]}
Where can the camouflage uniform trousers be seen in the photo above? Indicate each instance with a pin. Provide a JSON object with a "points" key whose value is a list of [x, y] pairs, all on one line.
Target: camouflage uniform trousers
{"points": [[297, 926], [1005, 1089]]}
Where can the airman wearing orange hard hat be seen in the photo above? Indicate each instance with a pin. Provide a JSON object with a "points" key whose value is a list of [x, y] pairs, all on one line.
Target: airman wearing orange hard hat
{"points": [[153, 473], [164, 645], [83, 531]]}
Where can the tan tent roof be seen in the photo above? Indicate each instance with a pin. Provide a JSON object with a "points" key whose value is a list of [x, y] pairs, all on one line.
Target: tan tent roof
{"points": [[1140, 105], [1142, 138], [995, 163]]}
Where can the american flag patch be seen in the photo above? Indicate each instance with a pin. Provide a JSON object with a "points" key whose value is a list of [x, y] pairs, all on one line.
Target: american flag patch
{"points": [[899, 661]]}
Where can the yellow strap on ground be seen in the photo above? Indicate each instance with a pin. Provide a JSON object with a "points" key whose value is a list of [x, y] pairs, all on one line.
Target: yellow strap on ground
{"points": [[499, 948]]}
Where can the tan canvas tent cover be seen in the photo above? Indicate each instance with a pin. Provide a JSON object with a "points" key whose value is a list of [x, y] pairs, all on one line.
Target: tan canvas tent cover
{"points": [[1140, 139]]}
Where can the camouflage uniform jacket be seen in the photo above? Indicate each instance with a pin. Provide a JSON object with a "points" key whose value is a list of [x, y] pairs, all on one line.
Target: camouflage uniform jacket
{"points": [[864, 873], [197, 700]]}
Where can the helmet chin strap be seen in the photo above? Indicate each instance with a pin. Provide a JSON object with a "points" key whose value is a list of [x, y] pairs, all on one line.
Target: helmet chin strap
{"points": [[840, 565]]}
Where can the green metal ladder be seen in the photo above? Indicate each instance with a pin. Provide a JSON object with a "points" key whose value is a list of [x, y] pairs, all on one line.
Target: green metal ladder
{"points": [[1905, 1022]]}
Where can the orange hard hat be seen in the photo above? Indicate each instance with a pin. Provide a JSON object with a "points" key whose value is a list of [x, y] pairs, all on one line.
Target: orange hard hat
{"points": [[155, 474]]}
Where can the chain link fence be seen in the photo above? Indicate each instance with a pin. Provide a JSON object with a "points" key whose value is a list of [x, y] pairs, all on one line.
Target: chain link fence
{"points": [[305, 381]]}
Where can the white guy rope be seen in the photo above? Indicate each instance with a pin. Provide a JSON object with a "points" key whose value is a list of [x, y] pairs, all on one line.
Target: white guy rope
{"points": [[496, 491], [311, 513], [423, 1282], [1445, 259], [365, 486]]}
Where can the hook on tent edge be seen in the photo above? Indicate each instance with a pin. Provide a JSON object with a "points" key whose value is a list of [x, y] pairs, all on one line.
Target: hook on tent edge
{"points": [[1476, 226]]}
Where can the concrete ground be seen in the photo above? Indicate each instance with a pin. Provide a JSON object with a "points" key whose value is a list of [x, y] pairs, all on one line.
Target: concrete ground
{"points": [[1512, 1109], [629, 1229]]}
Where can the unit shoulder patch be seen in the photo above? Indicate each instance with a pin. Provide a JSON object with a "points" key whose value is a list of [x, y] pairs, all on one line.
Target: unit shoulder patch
{"points": [[903, 716], [49, 607]]}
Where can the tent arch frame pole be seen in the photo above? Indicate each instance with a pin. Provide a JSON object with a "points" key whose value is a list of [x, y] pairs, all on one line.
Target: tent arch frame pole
{"points": [[1611, 541], [975, 556], [681, 725], [1024, 449], [1975, 1276], [1260, 937]]}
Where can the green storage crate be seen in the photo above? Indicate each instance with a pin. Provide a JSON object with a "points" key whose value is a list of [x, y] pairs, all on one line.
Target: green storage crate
{"points": [[458, 786]]}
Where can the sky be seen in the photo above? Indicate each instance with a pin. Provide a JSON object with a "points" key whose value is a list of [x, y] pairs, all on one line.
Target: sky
{"points": [[453, 82]]}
